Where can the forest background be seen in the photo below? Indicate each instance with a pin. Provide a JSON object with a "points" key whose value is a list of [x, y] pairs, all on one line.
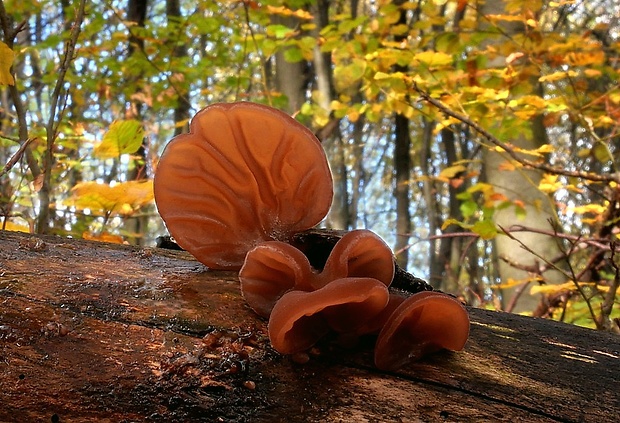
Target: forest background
{"points": [[480, 139]]}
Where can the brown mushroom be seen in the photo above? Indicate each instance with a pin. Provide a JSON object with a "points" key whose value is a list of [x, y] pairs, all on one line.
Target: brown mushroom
{"points": [[270, 270], [359, 253], [424, 323], [378, 322], [244, 174], [299, 319], [273, 268]]}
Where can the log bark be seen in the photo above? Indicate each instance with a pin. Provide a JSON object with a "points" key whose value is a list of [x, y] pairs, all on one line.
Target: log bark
{"points": [[93, 332]]}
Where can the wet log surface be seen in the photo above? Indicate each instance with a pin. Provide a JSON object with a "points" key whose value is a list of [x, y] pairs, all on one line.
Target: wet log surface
{"points": [[93, 332]]}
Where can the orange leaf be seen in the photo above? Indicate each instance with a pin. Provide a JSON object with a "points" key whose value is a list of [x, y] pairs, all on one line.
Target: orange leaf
{"points": [[496, 196], [6, 61]]}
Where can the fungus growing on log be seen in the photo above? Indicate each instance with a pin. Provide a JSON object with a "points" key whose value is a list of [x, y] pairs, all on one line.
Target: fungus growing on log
{"points": [[244, 174], [234, 192], [424, 323], [270, 270], [273, 268], [299, 319]]}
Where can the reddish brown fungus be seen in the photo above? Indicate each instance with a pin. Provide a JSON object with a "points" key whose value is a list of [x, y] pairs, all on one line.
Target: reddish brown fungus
{"points": [[299, 319], [359, 253], [270, 270], [244, 174], [273, 268], [423, 323], [375, 325]]}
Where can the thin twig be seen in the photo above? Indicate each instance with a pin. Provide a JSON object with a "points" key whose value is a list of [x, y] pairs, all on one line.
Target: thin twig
{"points": [[596, 242], [16, 157], [570, 276]]}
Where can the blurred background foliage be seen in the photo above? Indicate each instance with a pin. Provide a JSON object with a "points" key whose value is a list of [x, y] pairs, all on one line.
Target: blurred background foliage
{"points": [[478, 138]]}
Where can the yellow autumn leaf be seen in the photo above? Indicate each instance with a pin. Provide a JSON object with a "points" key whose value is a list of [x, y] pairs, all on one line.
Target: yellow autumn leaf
{"points": [[507, 18], [589, 208], [16, 227], [6, 61], [549, 183], [451, 221], [433, 58], [537, 152], [103, 237], [531, 101], [511, 283], [586, 58], [451, 171], [545, 148], [123, 198], [567, 286], [285, 11], [382, 75], [556, 76]]}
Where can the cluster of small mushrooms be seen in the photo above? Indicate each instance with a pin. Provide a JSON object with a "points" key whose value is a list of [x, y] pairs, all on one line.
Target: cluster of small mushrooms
{"points": [[237, 188]]}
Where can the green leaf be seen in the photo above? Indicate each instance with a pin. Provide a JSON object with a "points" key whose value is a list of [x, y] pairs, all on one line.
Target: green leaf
{"points": [[485, 228], [468, 208], [520, 212], [293, 55], [280, 31], [123, 137], [602, 152]]}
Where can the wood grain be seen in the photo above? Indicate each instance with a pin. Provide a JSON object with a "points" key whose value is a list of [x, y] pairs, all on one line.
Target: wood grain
{"points": [[93, 332]]}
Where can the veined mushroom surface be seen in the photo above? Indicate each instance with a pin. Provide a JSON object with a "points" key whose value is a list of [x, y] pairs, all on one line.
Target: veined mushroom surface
{"points": [[273, 268], [237, 188], [244, 174]]}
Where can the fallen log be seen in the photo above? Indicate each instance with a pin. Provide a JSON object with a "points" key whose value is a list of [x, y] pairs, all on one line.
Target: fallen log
{"points": [[93, 332]]}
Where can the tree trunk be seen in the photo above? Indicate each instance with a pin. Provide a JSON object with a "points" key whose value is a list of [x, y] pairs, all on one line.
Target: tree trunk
{"points": [[451, 248], [402, 174], [402, 169], [520, 185], [94, 332], [339, 216], [182, 109], [290, 77], [136, 226]]}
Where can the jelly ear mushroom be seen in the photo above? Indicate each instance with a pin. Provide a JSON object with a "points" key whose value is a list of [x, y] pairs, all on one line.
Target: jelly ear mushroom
{"points": [[269, 271], [245, 173], [424, 323], [359, 253], [299, 319]]}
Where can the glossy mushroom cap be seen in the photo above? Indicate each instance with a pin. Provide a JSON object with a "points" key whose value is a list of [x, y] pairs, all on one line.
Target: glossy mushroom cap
{"points": [[273, 268], [244, 174], [270, 270], [359, 253], [423, 323], [299, 319]]}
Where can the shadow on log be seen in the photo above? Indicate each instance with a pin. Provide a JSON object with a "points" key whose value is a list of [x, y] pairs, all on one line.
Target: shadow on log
{"points": [[92, 332]]}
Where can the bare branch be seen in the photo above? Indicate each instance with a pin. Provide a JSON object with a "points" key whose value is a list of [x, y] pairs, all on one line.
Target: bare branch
{"points": [[16, 157], [570, 276]]}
